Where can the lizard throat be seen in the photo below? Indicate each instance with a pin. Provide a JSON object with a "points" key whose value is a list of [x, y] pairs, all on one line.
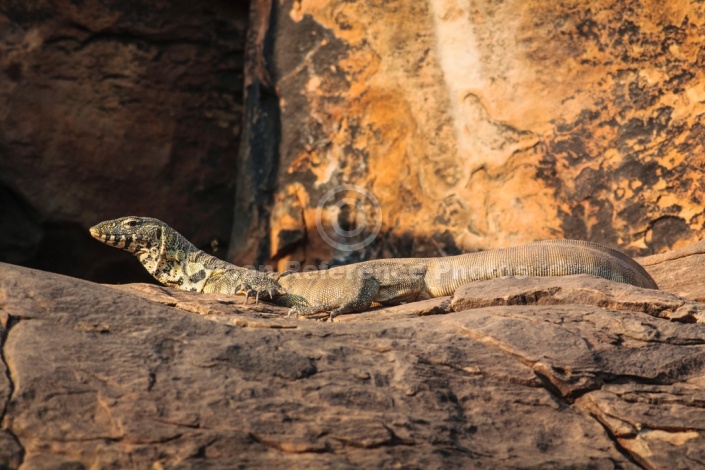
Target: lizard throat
{"points": [[165, 269], [150, 260]]}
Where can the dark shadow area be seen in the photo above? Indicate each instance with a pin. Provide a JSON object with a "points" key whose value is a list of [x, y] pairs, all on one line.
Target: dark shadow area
{"points": [[117, 108]]}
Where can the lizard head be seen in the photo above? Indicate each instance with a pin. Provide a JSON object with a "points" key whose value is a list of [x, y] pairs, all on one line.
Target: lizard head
{"points": [[130, 233]]}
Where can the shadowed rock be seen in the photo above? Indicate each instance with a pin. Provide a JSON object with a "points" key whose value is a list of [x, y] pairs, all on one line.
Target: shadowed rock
{"points": [[543, 373]]}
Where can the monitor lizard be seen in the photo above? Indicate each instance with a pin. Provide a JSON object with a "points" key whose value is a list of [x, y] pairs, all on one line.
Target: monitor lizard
{"points": [[175, 262]]}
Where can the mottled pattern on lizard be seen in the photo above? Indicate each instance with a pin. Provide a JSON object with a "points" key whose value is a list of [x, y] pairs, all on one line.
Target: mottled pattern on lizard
{"points": [[175, 262], [354, 288]]}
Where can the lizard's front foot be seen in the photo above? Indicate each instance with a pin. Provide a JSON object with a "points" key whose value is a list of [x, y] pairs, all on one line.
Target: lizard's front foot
{"points": [[258, 284]]}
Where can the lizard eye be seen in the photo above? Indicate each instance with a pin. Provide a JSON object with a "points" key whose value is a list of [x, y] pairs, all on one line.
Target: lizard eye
{"points": [[131, 223]]}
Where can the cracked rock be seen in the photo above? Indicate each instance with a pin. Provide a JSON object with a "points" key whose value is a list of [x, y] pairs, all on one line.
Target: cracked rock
{"points": [[581, 373]]}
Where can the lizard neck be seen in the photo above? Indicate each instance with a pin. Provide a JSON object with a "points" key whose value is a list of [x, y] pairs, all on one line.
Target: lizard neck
{"points": [[175, 262], [166, 258]]}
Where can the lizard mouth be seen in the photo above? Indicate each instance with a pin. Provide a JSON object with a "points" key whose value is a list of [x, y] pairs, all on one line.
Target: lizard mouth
{"points": [[105, 237]]}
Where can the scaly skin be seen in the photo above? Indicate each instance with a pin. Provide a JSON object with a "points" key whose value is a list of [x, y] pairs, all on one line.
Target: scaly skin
{"points": [[175, 262], [354, 288]]}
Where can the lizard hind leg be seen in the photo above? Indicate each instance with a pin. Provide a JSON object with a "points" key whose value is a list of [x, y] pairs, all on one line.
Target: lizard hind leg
{"points": [[304, 311], [359, 300], [356, 298], [350, 308], [309, 310]]}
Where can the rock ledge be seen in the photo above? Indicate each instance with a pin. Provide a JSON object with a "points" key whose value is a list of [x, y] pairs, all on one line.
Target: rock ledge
{"points": [[585, 374]]}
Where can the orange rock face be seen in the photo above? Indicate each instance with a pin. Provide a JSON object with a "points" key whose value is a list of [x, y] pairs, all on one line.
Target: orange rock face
{"points": [[481, 125]]}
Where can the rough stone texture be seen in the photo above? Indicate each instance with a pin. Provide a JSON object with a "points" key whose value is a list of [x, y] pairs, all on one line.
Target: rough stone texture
{"points": [[110, 108], [580, 289], [143, 376], [679, 271], [11, 451], [475, 124]]}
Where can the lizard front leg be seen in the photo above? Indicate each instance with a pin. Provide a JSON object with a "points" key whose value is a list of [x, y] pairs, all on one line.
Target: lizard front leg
{"points": [[251, 282]]}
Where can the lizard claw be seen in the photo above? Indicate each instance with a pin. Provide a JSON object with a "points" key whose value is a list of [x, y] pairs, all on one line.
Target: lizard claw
{"points": [[238, 288], [253, 292], [294, 311], [259, 284]]}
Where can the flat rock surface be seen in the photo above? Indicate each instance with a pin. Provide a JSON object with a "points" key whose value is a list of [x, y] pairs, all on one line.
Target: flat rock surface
{"points": [[580, 289], [679, 271], [147, 377]]}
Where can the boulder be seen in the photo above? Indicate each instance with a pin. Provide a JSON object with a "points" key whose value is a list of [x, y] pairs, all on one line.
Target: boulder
{"points": [[570, 372], [679, 271], [113, 108], [444, 126]]}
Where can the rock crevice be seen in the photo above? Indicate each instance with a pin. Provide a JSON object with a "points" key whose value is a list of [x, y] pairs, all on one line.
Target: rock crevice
{"points": [[12, 453], [139, 375]]}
